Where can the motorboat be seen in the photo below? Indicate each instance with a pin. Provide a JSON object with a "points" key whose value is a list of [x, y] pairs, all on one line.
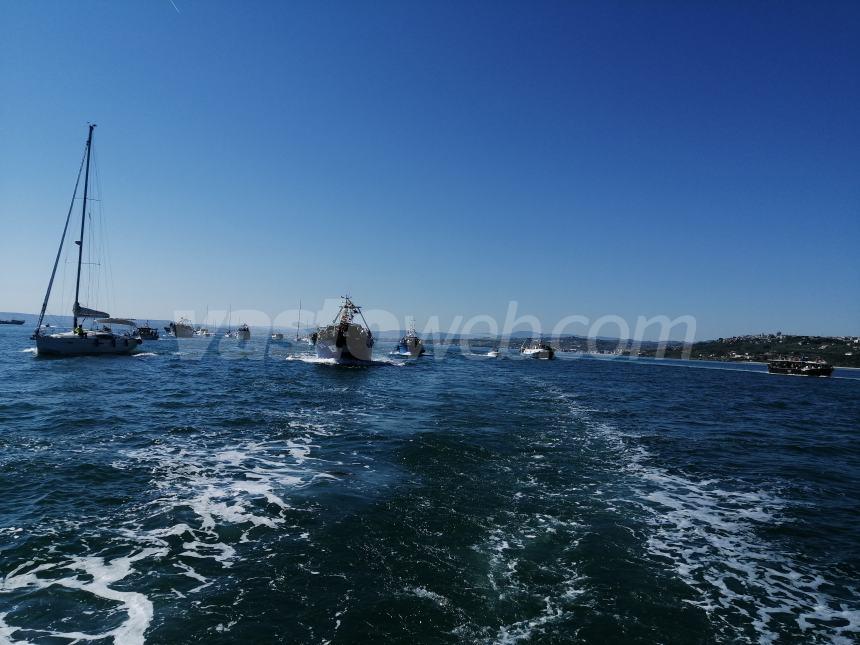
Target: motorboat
{"points": [[799, 367], [410, 344], [146, 332], [537, 349]]}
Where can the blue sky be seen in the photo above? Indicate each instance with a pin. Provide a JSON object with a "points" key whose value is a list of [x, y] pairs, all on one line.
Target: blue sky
{"points": [[444, 158]]}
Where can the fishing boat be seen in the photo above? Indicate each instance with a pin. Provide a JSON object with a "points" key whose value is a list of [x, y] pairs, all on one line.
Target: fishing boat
{"points": [[344, 340], [410, 344], [799, 367], [537, 349], [146, 332], [494, 353], [243, 332], [79, 341], [181, 328], [13, 321], [279, 338]]}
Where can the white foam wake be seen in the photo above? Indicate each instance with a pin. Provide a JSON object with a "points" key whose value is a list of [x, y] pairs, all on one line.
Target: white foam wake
{"points": [[103, 574], [707, 532]]}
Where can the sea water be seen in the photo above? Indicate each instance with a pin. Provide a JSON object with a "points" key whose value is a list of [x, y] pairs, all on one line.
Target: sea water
{"points": [[208, 490]]}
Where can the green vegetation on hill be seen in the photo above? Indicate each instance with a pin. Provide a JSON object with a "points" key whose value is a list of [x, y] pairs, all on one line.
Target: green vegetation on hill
{"points": [[839, 351]]}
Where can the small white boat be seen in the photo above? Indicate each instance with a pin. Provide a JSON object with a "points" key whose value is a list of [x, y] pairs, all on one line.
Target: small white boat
{"points": [[345, 341], [277, 336], [81, 342], [537, 349], [494, 353]]}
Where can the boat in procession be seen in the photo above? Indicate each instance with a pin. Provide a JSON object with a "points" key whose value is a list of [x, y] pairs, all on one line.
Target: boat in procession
{"points": [[243, 332], [230, 333], [345, 340], [202, 331], [799, 366], [301, 339], [81, 341], [146, 332], [181, 328], [410, 344], [537, 349], [12, 321]]}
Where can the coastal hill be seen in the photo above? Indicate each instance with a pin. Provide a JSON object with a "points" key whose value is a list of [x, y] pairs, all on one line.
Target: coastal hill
{"points": [[839, 351]]}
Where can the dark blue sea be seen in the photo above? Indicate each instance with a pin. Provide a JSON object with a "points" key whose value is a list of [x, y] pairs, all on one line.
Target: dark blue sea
{"points": [[207, 491]]}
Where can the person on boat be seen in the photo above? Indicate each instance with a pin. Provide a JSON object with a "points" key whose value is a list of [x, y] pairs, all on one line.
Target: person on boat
{"points": [[79, 330]]}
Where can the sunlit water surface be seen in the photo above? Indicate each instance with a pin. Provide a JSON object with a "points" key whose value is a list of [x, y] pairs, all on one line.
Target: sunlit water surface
{"points": [[213, 491]]}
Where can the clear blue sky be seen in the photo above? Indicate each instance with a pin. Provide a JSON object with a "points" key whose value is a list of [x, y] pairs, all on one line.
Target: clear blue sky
{"points": [[582, 158]]}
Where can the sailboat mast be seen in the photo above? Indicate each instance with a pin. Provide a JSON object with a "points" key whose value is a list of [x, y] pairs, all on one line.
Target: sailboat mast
{"points": [[80, 242], [299, 323], [59, 250]]}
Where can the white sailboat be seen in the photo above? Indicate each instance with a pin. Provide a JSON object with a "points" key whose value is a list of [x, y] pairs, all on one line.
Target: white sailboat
{"points": [[230, 333], [81, 342], [345, 341], [302, 339]]}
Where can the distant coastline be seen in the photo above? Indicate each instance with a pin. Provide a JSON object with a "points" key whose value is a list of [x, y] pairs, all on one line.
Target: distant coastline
{"points": [[839, 351]]}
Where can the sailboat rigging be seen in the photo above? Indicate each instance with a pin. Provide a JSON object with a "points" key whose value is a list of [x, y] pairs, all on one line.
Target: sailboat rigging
{"points": [[80, 342]]}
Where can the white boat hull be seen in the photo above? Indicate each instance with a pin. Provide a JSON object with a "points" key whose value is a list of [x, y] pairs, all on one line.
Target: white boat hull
{"points": [[92, 344], [537, 353]]}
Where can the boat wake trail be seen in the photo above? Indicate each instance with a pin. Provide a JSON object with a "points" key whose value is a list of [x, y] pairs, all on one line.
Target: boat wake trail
{"points": [[315, 360], [210, 507], [709, 533]]}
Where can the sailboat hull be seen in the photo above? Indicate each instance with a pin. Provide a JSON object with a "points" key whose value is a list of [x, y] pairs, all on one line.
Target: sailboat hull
{"points": [[93, 344]]}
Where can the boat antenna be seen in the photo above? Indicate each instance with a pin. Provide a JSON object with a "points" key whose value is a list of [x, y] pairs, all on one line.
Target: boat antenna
{"points": [[366, 326], [62, 241], [80, 242]]}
